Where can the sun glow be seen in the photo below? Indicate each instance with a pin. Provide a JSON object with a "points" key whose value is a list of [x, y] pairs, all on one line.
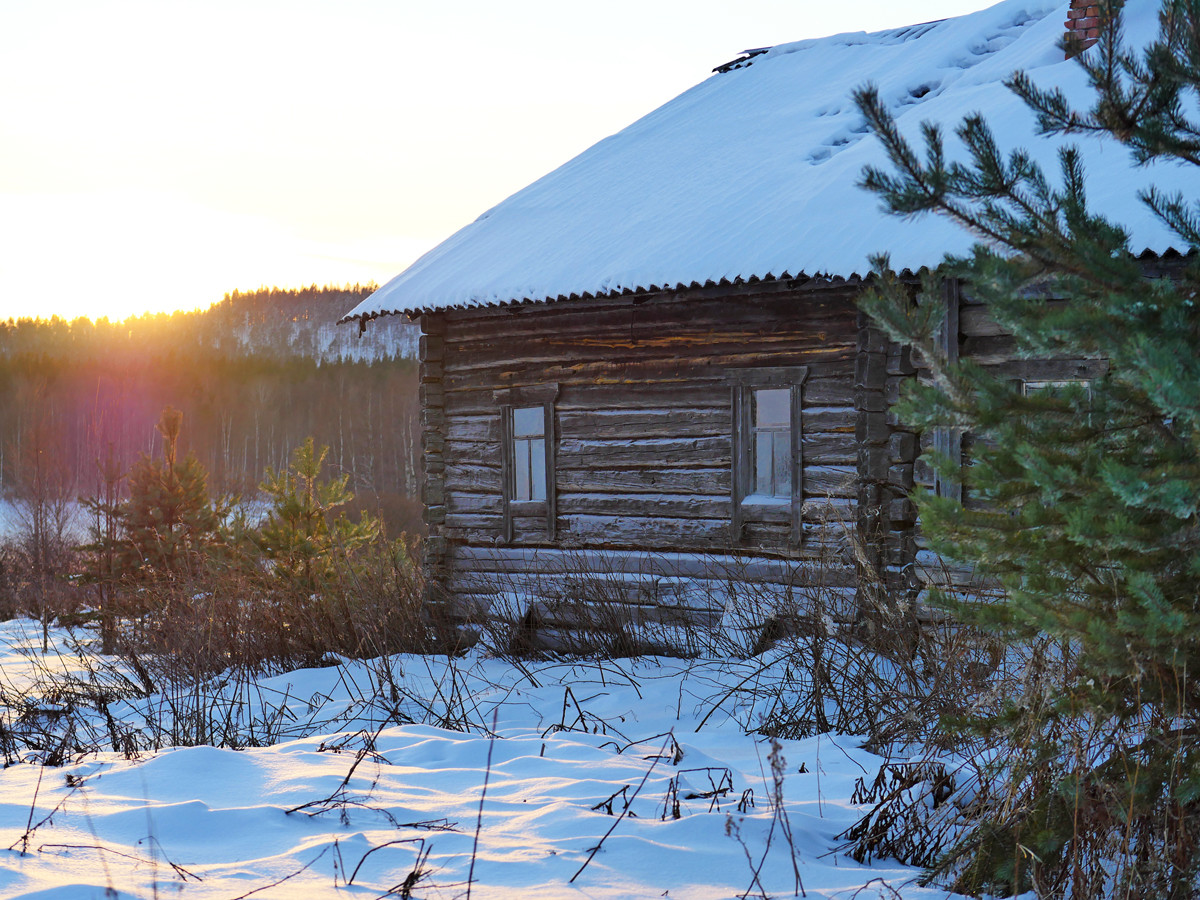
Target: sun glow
{"points": [[288, 144], [116, 255]]}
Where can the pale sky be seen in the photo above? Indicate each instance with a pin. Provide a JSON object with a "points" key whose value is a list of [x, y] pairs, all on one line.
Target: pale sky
{"points": [[155, 155]]}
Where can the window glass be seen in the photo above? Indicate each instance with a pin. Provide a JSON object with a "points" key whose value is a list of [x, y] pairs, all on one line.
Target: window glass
{"points": [[521, 489], [763, 467], [528, 421], [772, 442], [782, 477], [537, 469], [529, 453], [773, 408], [1054, 389]]}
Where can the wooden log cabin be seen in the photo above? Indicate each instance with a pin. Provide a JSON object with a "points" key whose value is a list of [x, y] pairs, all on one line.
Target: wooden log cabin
{"points": [[647, 392]]}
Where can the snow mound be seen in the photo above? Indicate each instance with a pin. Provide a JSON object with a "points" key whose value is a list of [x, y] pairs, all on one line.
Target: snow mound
{"points": [[620, 755]]}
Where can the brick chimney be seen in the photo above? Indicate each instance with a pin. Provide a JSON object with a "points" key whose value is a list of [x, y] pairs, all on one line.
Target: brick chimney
{"points": [[1084, 22]]}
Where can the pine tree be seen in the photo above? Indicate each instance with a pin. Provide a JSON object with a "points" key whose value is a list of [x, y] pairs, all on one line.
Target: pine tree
{"points": [[1088, 509], [169, 521], [305, 527], [103, 511]]}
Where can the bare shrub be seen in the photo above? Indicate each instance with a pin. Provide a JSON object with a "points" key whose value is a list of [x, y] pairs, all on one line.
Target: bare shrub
{"points": [[39, 553], [1076, 842], [10, 580], [972, 792], [582, 606], [242, 616]]}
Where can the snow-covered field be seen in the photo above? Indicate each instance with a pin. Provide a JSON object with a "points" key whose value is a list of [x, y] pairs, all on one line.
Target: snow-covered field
{"points": [[8, 518], [647, 760], [13, 521]]}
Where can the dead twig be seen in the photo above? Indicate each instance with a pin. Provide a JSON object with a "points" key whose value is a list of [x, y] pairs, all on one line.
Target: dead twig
{"points": [[487, 772], [394, 843], [625, 811], [183, 873], [266, 887], [338, 798]]}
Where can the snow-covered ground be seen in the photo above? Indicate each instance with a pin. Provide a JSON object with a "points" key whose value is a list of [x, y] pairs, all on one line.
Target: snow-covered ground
{"points": [[13, 520], [647, 760], [8, 518]]}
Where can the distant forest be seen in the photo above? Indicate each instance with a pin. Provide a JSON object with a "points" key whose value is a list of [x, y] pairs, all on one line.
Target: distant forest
{"points": [[254, 375]]}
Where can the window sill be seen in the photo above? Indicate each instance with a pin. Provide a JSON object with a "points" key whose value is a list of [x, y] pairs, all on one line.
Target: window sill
{"points": [[765, 500]]}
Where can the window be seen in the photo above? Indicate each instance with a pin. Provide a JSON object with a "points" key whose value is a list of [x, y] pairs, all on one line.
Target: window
{"points": [[772, 428], [947, 441], [948, 444], [1053, 389], [767, 450], [527, 451]]}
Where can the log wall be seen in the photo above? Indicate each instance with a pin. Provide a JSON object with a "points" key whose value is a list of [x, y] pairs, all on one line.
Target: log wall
{"points": [[974, 334], [644, 446], [643, 433]]}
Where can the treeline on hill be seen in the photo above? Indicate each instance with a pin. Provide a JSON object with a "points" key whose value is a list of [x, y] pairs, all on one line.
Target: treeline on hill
{"points": [[254, 376]]}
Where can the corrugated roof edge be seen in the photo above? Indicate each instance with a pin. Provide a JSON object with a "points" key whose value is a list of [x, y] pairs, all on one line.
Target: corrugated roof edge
{"points": [[641, 290], [802, 279]]}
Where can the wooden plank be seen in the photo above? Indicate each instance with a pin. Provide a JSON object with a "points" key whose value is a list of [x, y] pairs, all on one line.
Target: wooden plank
{"points": [[740, 566], [651, 453], [830, 481], [472, 477], [646, 505], [828, 420], [550, 431], [641, 319], [830, 390], [680, 397], [947, 442], [739, 460], [485, 427], [734, 304], [948, 336], [647, 329], [820, 483], [647, 531], [819, 480], [703, 585], [506, 475], [707, 399], [800, 424], [990, 349], [542, 350], [474, 503], [645, 423], [666, 370], [977, 321], [616, 456], [836, 449], [1051, 369], [475, 527], [482, 531], [830, 449], [680, 378], [712, 481]]}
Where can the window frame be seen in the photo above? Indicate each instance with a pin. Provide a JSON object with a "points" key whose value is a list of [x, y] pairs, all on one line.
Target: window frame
{"points": [[509, 400], [744, 383], [524, 467], [1031, 386], [948, 440]]}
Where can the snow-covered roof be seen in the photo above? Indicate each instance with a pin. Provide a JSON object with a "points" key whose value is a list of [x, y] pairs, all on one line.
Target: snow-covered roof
{"points": [[753, 172]]}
